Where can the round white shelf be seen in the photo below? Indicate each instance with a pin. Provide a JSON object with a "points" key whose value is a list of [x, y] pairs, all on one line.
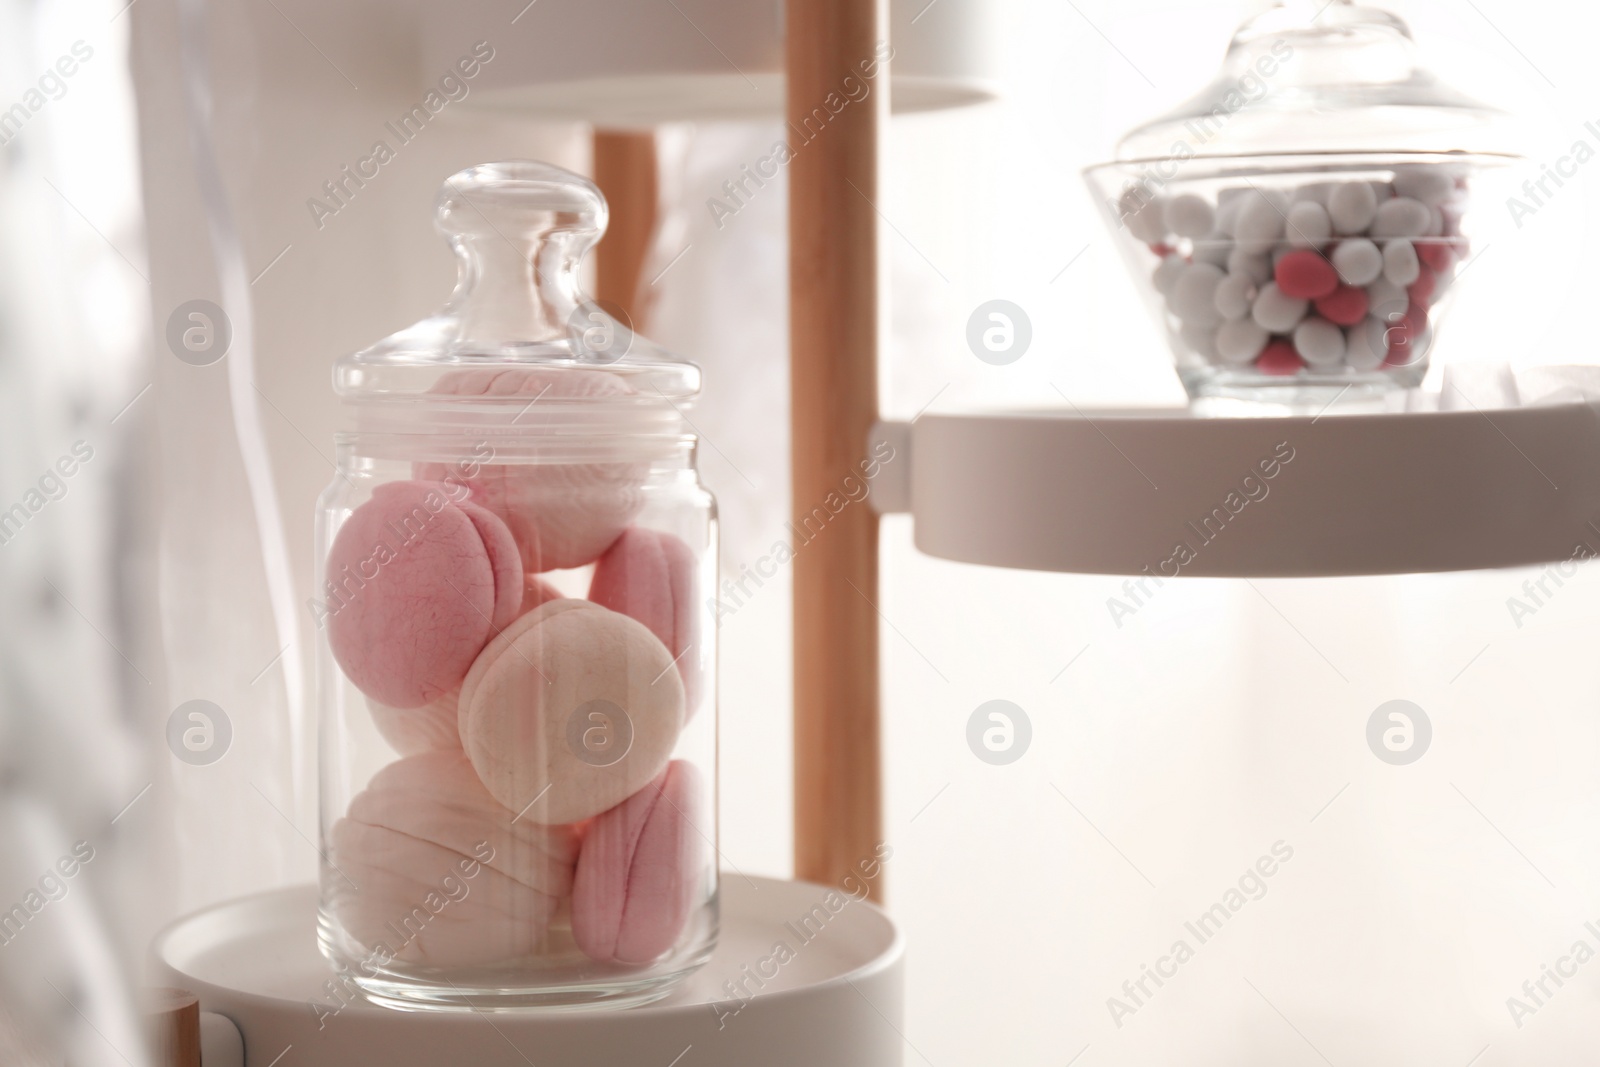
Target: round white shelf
{"points": [[838, 1000], [1165, 493]]}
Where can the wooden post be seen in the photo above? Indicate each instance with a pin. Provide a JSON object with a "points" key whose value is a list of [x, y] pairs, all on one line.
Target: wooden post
{"points": [[172, 1026], [833, 374], [625, 169]]}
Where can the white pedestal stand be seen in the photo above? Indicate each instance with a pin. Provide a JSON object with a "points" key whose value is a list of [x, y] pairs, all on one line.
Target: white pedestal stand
{"points": [[833, 995]]}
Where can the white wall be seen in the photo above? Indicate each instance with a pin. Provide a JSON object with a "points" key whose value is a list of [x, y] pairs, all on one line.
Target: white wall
{"points": [[1017, 909]]}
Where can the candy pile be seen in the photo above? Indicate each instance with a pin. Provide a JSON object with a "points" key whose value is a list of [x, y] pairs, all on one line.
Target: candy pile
{"points": [[1337, 277], [536, 732]]}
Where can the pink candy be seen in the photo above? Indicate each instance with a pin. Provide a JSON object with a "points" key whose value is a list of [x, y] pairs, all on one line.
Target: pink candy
{"points": [[1279, 358], [638, 871], [1346, 305], [435, 725], [1421, 291], [650, 576], [1437, 255], [1405, 336], [1305, 275], [420, 584], [563, 514]]}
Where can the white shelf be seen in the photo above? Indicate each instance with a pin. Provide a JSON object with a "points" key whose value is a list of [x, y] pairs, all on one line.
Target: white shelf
{"points": [[1118, 492], [839, 1001]]}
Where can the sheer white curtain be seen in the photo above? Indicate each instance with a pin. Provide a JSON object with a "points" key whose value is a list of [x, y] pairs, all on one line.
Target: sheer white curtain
{"points": [[81, 678], [296, 92]]}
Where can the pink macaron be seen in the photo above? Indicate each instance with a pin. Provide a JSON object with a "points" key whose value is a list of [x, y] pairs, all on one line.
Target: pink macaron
{"points": [[436, 725], [650, 576], [639, 870], [562, 514], [418, 584]]}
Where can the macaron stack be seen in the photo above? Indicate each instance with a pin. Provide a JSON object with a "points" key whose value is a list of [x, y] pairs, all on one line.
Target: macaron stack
{"points": [[1333, 279], [536, 732]]}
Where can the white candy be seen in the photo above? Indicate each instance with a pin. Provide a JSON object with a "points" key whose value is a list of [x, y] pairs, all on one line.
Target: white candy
{"points": [[1308, 225], [1221, 290], [1357, 260], [1228, 204], [1234, 295], [1319, 342], [1387, 301], [518, 701], [1351, 207], [1214, 249], [1400, 266], [1142, 216], [1200, 338], [1365, 345], [1166, 274], [1401, 217], [1315, 192], [1193, 296], [1430, 185], [1275, 312], [1257, 268], [1260, 222], [1240, 341], [1189, 215]]}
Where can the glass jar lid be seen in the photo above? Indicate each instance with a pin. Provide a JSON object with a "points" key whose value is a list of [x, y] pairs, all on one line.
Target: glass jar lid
{"points": [[518, 325], [1314, 76]]}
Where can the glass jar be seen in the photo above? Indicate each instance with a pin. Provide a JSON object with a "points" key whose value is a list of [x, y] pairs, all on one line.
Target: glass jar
{"points": [[1297, 228], [516, 663]]}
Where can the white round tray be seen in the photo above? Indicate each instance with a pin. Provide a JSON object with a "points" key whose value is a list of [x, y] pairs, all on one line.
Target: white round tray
{"points": [[1165, 493], [838, 1001]]}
